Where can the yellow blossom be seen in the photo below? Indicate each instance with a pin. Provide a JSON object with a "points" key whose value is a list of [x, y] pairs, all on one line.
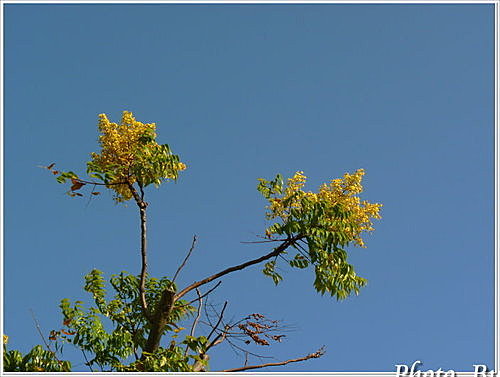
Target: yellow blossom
{"points": [[341, 193], [129, 154]]}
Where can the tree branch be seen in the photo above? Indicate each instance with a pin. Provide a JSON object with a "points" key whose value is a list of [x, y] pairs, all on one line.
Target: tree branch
{"points": [[144, 261], [185, 259], [198, 314], [168, 299], [314, 355], [274, 253]]}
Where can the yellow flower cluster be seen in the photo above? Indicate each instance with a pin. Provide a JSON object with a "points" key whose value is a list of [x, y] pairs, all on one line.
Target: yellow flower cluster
{"points": [[120, 147], [341, 192], [118, 141]]}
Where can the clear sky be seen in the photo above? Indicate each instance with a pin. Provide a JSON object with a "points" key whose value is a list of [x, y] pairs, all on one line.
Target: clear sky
{"points": [[247, 91]]}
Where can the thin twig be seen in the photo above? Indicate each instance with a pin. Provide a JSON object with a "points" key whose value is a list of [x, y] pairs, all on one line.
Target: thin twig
{"points": [[90, 197], [218, 339], [246, 351], [210, 324], [198, 366], [314, 355], [304, 252], [218, 322], [98, 183], [208, 317], [204, 295], [223, 334], [226, 327], [185, 259], [282, 257], [87, 361], [43, 338], [265, 241], [37, 325]]}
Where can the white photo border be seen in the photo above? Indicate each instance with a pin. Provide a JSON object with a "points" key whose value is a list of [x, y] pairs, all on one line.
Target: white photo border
{"points": [[496, 4]]}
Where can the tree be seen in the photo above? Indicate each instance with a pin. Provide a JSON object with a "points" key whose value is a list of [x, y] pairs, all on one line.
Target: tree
{"points": [[125, 332]]}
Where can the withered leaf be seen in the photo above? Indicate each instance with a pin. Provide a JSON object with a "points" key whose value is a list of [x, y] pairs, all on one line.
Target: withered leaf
{"points": [[53, 335], [77, 185]]}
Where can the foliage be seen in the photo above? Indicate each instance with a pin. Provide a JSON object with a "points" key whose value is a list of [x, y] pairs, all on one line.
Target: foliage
{"points": [[36, 360], [322, 225], [87, 330]]}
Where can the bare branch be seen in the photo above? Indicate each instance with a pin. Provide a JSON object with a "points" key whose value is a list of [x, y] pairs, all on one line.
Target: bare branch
{"points": [[86, 360], [199, 366], [144, 261], [234, 346], [208, 317], [198, 314], [205, 294], [185, 259], [99, 183], [219, 320], [37, 325], [303, 252], [274, 253], [218, 339], [90, 196], [314, 355], [41, 335]]}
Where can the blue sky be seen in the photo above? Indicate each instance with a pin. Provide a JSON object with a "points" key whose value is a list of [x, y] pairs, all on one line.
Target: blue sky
{"points": [[247, 91]]}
